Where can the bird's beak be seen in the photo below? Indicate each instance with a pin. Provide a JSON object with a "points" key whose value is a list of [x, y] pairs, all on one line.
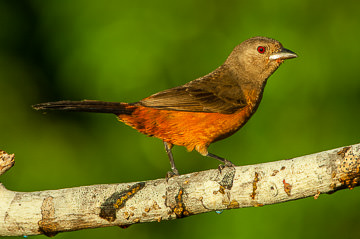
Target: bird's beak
{"points": [[283, 54]]}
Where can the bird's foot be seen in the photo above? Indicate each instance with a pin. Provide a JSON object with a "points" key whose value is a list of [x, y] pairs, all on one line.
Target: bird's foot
{"points": [[171, 174], [227, 163]]}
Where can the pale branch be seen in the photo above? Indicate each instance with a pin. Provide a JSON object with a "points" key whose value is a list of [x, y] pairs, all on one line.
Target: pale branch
{"points": [[50, 212]]}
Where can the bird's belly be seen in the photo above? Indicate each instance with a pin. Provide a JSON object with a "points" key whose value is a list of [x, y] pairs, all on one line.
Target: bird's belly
{"points": [[190, 129]]}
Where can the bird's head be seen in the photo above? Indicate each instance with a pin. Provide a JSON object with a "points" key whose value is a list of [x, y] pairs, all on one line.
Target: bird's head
{"points": [[257, 58]]}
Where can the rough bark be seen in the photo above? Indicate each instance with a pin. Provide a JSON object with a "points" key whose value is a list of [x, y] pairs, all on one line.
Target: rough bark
{"points": [[54, 211]]}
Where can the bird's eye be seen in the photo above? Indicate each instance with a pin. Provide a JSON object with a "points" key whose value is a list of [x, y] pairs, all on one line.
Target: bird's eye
{"points": [[261, 49]]}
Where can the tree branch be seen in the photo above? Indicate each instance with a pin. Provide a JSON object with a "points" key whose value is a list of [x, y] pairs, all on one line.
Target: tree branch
{"points": [[50, 212]]}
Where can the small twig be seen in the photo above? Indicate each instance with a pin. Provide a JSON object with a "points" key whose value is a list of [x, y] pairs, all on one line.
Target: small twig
{"points": [[6, 161]]}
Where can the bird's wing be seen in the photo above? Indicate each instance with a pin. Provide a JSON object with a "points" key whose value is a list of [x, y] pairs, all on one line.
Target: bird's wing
{"points": [[217, 92]]}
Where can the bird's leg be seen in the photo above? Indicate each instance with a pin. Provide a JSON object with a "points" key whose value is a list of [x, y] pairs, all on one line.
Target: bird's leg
{"points": [[171, 158], [226, 162]]}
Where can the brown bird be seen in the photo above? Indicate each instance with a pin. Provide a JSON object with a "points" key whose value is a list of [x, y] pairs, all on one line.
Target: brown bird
{"points": [[204, 110]]}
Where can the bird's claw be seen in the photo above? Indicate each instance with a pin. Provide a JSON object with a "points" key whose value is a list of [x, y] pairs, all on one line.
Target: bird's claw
{"points": [[170, 174], [227, 163]]}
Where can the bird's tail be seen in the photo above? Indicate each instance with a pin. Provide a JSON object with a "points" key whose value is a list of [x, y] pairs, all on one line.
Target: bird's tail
{"points": [[87, 106]]}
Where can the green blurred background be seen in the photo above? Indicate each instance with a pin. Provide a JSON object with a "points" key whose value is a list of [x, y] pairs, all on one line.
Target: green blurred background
{"points": [[125, 51]]}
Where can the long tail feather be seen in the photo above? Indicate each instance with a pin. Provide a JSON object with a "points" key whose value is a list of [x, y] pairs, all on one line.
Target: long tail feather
{"points": [[87, 106]]}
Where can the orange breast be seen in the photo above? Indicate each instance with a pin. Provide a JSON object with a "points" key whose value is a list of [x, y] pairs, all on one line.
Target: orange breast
{"points": [[194, 130]]}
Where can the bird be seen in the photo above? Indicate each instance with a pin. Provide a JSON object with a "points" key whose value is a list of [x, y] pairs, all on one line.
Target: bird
{"points": [[202, 111]]}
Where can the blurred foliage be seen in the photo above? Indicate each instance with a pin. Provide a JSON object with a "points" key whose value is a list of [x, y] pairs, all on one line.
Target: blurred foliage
{"points": [[127, 50]]}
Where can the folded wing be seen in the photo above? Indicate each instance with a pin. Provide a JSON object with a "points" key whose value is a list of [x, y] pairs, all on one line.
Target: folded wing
{"points": [[217, 92]]}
